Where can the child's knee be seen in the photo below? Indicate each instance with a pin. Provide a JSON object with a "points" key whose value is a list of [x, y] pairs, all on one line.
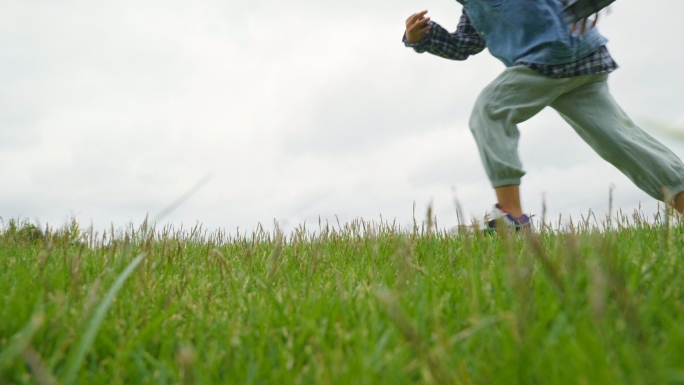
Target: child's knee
{"points": [[482, 114]]}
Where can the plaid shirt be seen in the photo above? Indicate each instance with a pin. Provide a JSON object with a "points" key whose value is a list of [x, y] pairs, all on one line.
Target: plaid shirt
{"points": [[581, 9], [466, 41]]}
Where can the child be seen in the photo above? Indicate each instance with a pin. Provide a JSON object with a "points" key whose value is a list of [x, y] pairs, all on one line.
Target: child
{"points": [[549, 63]]}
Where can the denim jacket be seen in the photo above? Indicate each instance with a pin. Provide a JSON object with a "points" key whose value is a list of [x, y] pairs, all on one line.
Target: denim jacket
{"points": [[532, 31]]}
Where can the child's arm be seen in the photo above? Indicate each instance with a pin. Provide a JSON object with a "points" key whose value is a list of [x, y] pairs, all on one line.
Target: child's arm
{"points": [[438, 41]]}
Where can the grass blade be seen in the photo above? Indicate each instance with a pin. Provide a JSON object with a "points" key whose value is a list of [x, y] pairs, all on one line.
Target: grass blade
{"points": [[76, 358]]}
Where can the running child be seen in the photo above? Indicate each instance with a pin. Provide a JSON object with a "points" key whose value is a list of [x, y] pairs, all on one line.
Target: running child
{"points": [[552, 63]]}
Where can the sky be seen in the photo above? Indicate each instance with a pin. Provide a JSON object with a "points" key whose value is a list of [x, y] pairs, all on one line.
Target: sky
{"points": [[293, 111]]}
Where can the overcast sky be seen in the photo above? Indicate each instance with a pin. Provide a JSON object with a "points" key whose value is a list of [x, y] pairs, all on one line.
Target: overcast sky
{"points": [[298, 109]]}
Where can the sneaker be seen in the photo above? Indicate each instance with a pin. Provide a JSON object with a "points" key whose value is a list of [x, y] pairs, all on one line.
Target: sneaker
{"points": [[499, 214]]}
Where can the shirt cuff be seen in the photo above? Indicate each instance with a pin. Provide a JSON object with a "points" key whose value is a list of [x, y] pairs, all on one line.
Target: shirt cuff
{"points": [[421, 44]]}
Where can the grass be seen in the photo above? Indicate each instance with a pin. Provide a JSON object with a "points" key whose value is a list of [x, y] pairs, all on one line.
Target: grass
{"points": [[362, 303]]}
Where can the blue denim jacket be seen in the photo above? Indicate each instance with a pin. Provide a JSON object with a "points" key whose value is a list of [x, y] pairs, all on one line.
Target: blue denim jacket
{"points": [[532, 31]]}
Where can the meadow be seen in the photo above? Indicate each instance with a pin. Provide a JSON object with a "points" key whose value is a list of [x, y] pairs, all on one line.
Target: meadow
{"points": [[598, 302]]}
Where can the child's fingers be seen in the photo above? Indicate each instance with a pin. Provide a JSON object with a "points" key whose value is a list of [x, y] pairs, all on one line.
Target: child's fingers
{"points": [[416, 16], [411, 18], [419, 29], [595, 20], [419, 24], [422, 31]]}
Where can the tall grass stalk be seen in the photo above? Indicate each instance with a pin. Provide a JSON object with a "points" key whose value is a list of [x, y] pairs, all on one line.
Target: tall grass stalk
{"points": [[76, 358]]}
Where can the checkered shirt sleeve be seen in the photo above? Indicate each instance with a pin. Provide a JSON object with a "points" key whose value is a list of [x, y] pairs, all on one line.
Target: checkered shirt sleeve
{"points": [[455, 46], [581, 9]]}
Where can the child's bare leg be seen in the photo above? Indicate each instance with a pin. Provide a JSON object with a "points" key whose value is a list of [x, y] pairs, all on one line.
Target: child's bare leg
{"points": [[679, 202], [509, 199]]}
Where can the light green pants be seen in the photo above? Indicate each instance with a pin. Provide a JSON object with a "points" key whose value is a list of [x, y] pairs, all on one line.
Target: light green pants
{"points": [[519, 93]]}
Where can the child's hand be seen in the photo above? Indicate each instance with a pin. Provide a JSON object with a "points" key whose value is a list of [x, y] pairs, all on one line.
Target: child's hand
{"points": [[416, 26], [583, 27]]}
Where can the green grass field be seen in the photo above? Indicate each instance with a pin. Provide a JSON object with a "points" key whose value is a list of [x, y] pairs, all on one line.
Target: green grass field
{"points": [[362, 303]]}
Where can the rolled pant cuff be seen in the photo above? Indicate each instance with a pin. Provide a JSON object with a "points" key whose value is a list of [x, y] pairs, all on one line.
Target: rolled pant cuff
{"points": [[506, 182]]}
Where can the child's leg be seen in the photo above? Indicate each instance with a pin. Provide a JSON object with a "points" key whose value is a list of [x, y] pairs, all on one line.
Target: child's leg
{"points": [[679, 202], [599, 121], [516, 95], [508, 197]]}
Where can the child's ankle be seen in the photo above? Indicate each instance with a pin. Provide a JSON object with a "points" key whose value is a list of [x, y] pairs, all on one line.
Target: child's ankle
{"points": [[515, 213]]}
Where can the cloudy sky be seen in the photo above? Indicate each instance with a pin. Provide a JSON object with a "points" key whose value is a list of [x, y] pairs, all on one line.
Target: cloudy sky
{"points": [[296, 110]]}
